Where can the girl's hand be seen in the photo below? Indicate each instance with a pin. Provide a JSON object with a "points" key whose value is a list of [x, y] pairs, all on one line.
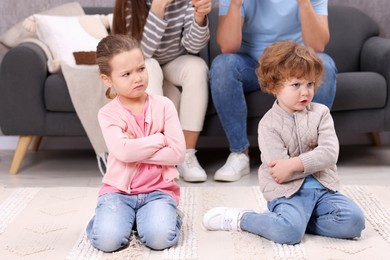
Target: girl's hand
{"points": [[202, 8], [129, 135]]}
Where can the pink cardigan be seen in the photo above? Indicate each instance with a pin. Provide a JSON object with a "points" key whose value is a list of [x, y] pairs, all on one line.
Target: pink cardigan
{"points": [[163, 143]]}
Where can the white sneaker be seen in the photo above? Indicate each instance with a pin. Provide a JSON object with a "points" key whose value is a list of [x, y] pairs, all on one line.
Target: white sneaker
{"points": [[190, 169], [236, 166], [222, 218]]}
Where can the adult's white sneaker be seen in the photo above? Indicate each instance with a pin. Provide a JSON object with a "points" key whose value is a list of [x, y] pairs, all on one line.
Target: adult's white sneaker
{"points": [[236, 166], [190, 170], [222, 218]]}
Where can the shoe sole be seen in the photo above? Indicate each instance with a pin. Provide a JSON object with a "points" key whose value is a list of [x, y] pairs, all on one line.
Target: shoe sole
{"points": [[202, 178], [231, 178], [199, 179]]}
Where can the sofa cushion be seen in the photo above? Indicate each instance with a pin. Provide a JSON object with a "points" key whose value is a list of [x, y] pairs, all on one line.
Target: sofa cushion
{"points": [[360, 90]]}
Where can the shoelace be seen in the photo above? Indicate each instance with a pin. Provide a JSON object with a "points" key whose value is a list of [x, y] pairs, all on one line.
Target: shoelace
{"points": [[227, 224]]}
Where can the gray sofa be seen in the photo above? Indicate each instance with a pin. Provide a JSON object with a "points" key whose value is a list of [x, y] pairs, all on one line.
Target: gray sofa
{"points": [[35, 103]]}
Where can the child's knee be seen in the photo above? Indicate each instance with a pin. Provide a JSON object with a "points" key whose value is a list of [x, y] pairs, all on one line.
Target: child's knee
{"points": [[160, 239], [109, 240], [356, 225], [289, 235]]}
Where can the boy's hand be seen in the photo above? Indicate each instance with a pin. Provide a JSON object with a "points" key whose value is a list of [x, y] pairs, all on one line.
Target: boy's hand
{"points": [[283, 170]]}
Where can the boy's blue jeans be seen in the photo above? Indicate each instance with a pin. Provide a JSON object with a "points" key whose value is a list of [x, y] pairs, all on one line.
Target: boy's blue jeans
{"points": [[155, 214], [233, 75], [314, 211]]}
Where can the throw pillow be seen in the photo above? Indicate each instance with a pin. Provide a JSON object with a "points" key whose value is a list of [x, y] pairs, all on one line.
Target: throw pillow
{"points": [[85, 57], [18, 32], [65, 35]]}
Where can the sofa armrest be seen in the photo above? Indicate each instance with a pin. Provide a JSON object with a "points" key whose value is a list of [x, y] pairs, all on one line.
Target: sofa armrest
{"points": [[375, 57], [23, 73]]}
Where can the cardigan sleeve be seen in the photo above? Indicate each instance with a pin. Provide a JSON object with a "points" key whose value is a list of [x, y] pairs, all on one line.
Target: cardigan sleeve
{"points": [[114, 124], [153, 32], [326, 153], [174, 149]]}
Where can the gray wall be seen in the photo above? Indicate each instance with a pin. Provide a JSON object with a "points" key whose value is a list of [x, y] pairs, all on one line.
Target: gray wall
{"points": [[14, 11]]}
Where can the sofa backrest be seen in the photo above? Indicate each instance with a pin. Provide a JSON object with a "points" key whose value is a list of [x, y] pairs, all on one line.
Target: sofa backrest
{"points": [[349, 29], [98, 10]]}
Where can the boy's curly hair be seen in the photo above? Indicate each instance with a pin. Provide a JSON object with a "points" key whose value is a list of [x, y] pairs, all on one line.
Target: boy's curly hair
{"points": [[283, 60]]}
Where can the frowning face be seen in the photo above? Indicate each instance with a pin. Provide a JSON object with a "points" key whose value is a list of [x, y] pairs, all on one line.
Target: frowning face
{"points": [[129, 76], [295, 94]]}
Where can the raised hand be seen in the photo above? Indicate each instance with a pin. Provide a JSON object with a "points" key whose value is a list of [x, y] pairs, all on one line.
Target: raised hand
{"points": [[202, 8], [158, 7]]}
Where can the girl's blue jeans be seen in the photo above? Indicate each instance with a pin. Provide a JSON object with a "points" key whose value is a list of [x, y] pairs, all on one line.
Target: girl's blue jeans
{"points": [[155, 216], [233, 75], [314, 211]]}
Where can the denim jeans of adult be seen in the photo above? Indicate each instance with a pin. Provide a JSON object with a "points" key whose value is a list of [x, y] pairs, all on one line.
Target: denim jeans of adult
{"points": [[233, 75], [315, 211], [154, 214]]}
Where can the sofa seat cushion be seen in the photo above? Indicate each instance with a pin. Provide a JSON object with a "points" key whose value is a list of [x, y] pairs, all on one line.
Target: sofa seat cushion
{"points": [[360, 90], [57, 98]]}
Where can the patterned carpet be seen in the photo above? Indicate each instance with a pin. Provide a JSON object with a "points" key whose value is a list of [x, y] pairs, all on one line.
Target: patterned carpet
{"points": [[49, 223]]}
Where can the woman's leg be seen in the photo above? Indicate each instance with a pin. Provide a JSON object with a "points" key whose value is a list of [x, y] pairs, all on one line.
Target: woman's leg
{"points": [[173, 93], [335, 215], [110, 228], [190, 73], [155, 75], [158, 223]]}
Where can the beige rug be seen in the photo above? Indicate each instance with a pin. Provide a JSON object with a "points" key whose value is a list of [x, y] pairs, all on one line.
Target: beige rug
{"points": [[49, 223]]}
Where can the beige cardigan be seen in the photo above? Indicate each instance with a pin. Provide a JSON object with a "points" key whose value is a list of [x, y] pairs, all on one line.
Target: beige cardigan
{"points": [[308, 134]]}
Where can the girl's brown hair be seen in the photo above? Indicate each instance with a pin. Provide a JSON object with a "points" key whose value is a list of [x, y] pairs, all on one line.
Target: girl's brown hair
{"points": [[109, 47], [138, 9], [281, 61]]}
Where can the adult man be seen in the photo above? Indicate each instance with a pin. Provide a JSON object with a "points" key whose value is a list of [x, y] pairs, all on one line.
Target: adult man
{"points": [[245, 28]]}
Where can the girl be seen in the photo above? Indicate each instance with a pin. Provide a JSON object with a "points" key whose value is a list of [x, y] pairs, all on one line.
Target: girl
{"points": [[170, 31], [145, 141], [299, 151]]}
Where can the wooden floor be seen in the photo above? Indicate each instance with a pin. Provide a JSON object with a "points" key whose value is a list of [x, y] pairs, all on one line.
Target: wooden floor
{"points": [[368, 165]]}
